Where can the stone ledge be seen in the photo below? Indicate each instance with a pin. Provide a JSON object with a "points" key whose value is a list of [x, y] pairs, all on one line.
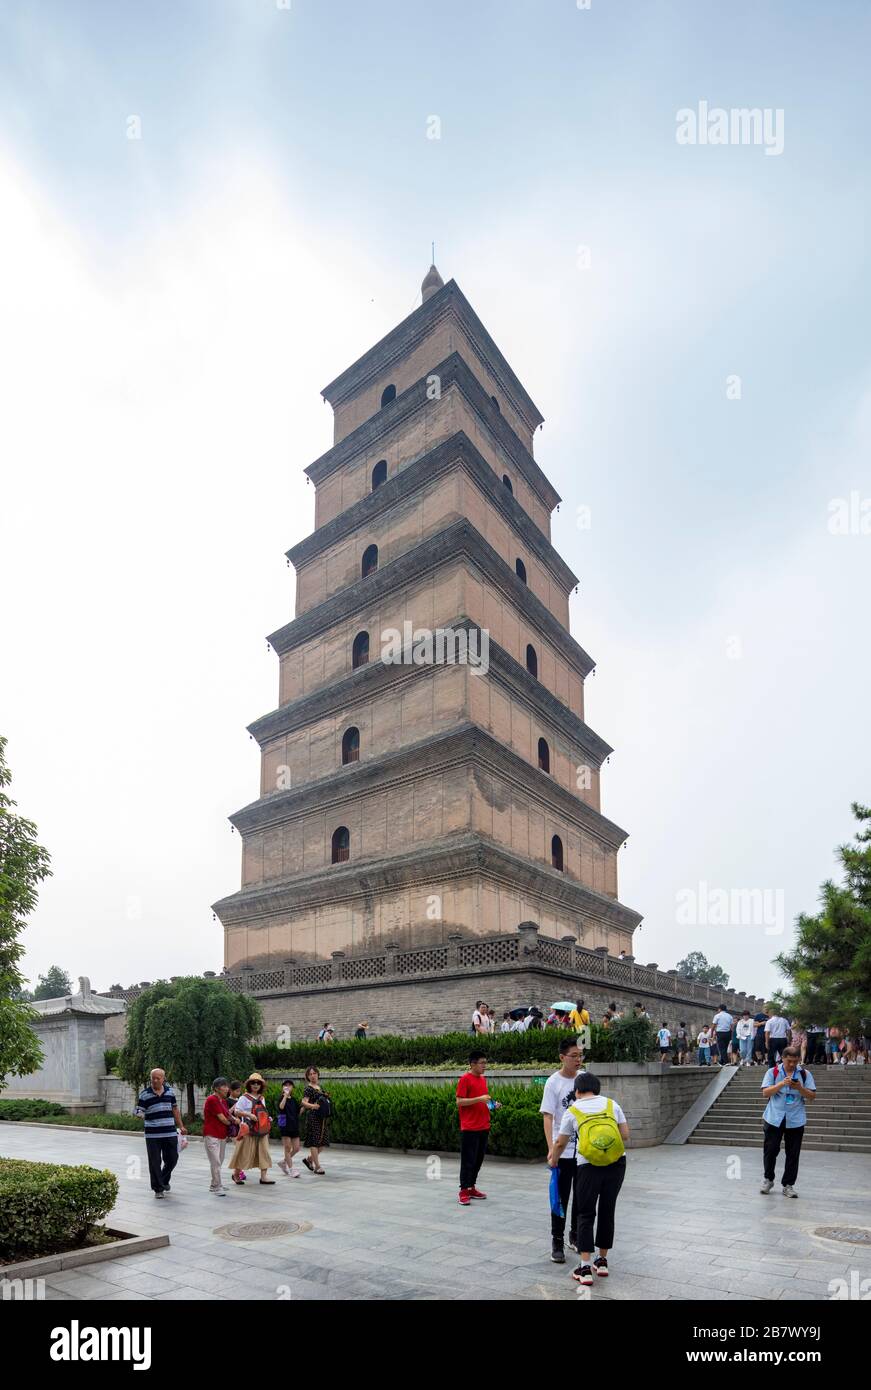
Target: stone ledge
{"points": [[129, 1244]]}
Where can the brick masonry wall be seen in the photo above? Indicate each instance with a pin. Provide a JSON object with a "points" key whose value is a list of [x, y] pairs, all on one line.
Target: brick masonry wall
{"points": [[446, 1004]]}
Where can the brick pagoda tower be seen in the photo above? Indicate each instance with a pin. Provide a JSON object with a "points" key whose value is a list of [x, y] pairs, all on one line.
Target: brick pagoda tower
{"points": [[405, 801]]}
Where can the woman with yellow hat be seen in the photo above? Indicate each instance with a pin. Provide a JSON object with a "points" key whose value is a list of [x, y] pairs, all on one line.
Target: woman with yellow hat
{"points": [[252, 1145]]}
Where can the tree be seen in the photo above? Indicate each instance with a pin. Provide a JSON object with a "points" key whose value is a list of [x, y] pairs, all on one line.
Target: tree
{"points": [[195, 1029], [54, 985], [829, 968], [23, 865], [695, 966]]}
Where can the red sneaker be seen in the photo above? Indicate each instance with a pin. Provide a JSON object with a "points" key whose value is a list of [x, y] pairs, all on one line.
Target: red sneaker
{"points": [[465, 1197], [481, 1196]]}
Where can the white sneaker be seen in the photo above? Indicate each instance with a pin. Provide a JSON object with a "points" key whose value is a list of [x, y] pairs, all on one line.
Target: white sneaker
{"points": [[790, 1192], [766, 1187], [283, 1166]]}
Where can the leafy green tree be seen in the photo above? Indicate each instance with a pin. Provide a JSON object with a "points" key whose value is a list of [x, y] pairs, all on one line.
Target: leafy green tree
{"points": [[695, 966], [829, 968], [54, 985], [195, 1029], [23, 865]]}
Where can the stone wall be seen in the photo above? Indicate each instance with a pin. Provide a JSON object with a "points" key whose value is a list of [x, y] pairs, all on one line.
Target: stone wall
{"points": [[73, 1063]]}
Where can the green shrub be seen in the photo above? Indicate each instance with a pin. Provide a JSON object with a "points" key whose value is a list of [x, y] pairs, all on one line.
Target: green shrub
{"points": [[48, 1207], [110, 1059], [133, 1123], [29, 1109], [419, 1116], [627, 1040]]}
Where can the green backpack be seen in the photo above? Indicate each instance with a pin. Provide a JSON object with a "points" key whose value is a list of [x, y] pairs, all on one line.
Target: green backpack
{"points": [[599, 1139]]}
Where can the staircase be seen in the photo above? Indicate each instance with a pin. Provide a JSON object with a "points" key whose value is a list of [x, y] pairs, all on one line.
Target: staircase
{"points": [[839, 1119]]}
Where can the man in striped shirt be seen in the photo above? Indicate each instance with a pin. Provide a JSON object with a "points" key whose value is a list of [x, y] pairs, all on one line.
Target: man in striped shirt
{"points": [[163, 1124]]}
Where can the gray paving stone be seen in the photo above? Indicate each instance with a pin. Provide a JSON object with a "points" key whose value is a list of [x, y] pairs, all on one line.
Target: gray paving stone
{"points": [[379, 1230]]}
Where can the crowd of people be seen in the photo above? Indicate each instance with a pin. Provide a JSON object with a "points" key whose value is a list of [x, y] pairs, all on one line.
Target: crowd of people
{"points": [[586, 1133], [236, 1112], [757, 1040]]}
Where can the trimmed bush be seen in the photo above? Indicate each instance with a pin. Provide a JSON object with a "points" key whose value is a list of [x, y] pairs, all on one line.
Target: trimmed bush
{"points": [[110, 1059], [29, 1109], [424, 1117], [627, 1040], [48, 1208]]}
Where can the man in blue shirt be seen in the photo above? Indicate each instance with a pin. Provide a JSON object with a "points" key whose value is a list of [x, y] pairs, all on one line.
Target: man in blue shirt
{"points": [[786, 1087], [163, 1124]]}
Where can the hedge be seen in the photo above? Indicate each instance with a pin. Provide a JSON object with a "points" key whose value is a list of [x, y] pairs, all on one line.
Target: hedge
{"points": [[29, 1109], [385, 1115], [48, 1207], [627, 1040]]}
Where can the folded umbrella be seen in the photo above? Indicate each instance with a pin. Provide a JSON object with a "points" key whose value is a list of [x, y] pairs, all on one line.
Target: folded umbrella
{"points": [[556, 1205]]}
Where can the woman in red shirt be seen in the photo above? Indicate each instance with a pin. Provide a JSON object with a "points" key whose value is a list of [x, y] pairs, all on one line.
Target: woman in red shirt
{"points": [[216, 1122]]}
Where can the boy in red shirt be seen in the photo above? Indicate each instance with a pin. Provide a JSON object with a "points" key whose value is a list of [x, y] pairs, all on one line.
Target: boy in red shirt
{"points": [[474, 1104]]}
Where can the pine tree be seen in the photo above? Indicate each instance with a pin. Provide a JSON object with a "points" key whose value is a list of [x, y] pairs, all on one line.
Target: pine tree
{"points": [[54, 985], [23, 865], [830, 966]]}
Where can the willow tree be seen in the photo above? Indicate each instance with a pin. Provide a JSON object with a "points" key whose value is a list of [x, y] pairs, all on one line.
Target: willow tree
{"points": [[829, 968], [194, 1029], [23, 865]]}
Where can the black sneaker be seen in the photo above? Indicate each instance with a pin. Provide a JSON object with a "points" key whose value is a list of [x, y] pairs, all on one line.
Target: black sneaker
{"points": [[557, 1253], [583, 1274], [159, 1195], [601, 1267]]}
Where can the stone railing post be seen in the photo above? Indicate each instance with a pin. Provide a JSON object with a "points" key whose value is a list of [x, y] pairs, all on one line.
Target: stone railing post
{"points": [[336, 970], [528, 933], [390, 950], [453, 944], [652, 965]]}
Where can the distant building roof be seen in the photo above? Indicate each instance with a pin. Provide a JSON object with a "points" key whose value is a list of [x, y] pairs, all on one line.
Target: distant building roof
{"points": [[84, 1002]]}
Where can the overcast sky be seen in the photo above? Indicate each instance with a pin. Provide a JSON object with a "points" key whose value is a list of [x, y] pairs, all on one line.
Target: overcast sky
{"points": [[171, 306]]}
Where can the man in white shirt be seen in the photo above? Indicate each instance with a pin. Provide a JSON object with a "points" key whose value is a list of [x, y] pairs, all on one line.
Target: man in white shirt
{"points": [[704, 1045], [663, 1037], [722, 1026], [596, 1186], [559, 1094], [507, 1025], [777, 1035], [478, 1018]]}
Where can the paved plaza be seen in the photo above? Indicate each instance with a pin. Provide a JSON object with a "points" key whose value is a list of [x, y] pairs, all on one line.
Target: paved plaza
{"points": [[380, 1227]]}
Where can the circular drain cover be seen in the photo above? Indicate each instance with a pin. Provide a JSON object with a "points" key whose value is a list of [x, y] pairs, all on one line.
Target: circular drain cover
{"points": [[851, 1235], [260, 1230]]}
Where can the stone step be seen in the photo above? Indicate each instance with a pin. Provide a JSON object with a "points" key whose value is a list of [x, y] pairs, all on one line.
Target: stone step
{"points": [[813, 1144], [739, 1136]]}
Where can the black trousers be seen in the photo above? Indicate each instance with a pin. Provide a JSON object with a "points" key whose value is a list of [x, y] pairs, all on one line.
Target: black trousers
{"points": [[596, 1191], [162, 1158], [775, 1048], [723, 1040], [816, 1051], [771, 1148], [473, 1146], [566, 1182]]}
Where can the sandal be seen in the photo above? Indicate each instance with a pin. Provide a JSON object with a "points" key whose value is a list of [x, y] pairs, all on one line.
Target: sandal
{"points": [[320, 1171], [308, 1164], [267, 1182]]}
